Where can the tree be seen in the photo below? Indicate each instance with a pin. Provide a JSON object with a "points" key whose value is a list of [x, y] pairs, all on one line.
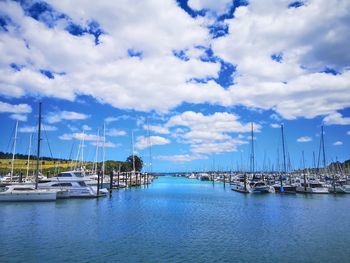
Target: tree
{"points": [[138, 162]]}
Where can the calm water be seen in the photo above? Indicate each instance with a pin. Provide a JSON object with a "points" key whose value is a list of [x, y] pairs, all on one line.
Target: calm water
{"points": [[178, 220]]}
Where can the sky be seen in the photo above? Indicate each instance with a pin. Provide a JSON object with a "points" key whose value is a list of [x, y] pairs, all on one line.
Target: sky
{"points": [[180, 83]]}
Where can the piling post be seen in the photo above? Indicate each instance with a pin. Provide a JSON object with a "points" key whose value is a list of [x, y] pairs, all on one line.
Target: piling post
{"points": [[111, 182], [118, 174], [224, 180], [130, 177], [98, 183], [20, 177]]}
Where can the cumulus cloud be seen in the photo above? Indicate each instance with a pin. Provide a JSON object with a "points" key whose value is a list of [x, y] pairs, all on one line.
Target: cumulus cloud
{"points": [[275, 125], [338, 143], [156, 129], [15, 108], [32, 129], [281, 54], [336, 118], [286, 59], [105, 144], [81, 136], [54, 117], [181, 157], [115, 132], [218, 6], [304, 139], [143, 142], [208, 134], [19, 117]]}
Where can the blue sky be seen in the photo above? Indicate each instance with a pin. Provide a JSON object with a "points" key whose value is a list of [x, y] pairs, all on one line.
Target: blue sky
{"points": [[196, 73]]}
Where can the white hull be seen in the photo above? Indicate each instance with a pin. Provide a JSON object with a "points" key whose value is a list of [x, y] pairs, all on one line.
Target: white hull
{"points": [[34, 196], [311, 190]]}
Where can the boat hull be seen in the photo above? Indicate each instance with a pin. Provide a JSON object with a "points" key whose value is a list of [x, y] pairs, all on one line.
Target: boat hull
{"points": [[27, 197]]}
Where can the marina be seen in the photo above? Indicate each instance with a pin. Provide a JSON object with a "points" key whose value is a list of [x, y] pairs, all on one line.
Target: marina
{"points": [[176, 219]]}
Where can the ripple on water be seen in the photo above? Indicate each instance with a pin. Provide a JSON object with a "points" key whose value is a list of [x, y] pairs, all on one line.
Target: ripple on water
{"points": [[178, 220]]}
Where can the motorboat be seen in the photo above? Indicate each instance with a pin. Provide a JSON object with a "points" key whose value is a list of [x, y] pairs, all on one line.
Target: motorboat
{"points": [[16, 193], [261, 187], [311, 187], [240, 185], [73, 182]]}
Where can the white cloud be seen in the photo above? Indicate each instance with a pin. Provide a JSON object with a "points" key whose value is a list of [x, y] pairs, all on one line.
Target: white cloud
{"points": [[143, 142], [208, 134], [182, 157], [19, 117], [348, 133], [307, 45], [86, 127], [32, 129], [115, 132], [16, 109], [54, 117], [304, 139], [275, 125], [113, 119], [157, 129], [80, 136], [338, 143], [335, 118], [217, 6], [293, 87], [106, 144]]}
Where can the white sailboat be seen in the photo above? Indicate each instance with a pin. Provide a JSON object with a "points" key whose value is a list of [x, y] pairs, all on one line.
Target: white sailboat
{"points": [[24, 192]]}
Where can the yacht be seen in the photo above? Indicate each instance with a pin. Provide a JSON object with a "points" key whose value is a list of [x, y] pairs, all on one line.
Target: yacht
{"points": [[240, 185], [340, 187], [312, 187], [26, 193], [204, 177], [261, 187], [74, 183]]}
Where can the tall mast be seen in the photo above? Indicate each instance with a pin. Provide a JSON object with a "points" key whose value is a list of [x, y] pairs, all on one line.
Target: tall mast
{"points": [[14, 152], [104, 149], [94, 169], [323, 150], [149, 148], [252, 161], [133, 154], [30, 147], [284, 151], [38, 151], [82, 149]]}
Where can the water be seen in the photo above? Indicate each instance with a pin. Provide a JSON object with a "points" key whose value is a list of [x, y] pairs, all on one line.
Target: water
{"points": [[178, 220]]}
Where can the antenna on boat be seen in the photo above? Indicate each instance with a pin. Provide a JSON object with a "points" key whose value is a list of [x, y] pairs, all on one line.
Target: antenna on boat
{"points": [[252, 161], [38, 152]]}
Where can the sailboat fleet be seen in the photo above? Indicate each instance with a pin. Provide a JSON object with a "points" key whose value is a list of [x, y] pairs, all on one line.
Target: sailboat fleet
{"points": [[304, 181], [69, 184]]}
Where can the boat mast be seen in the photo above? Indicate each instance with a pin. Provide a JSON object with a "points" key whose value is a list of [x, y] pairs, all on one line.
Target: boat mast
{"points": [[104, 149], [323, 150], [14, 152], [30, 147], [38, 151], [284, 154], [252, 161], [133, 152], [94, 168], [149, 148]]}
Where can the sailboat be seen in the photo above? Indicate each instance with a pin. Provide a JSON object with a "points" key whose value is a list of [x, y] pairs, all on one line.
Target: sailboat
{"points": [[280, 187], [313, 185], [23, 192]]}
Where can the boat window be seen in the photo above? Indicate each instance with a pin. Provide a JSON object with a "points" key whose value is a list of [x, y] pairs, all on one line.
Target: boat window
{"points": [[316, 185], [62, 184], [23, 189], [78, 174], [81, 183], [64, 175]]}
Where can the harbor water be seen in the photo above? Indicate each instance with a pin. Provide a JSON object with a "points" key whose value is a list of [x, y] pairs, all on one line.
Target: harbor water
{"points": [[178, 220]]}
